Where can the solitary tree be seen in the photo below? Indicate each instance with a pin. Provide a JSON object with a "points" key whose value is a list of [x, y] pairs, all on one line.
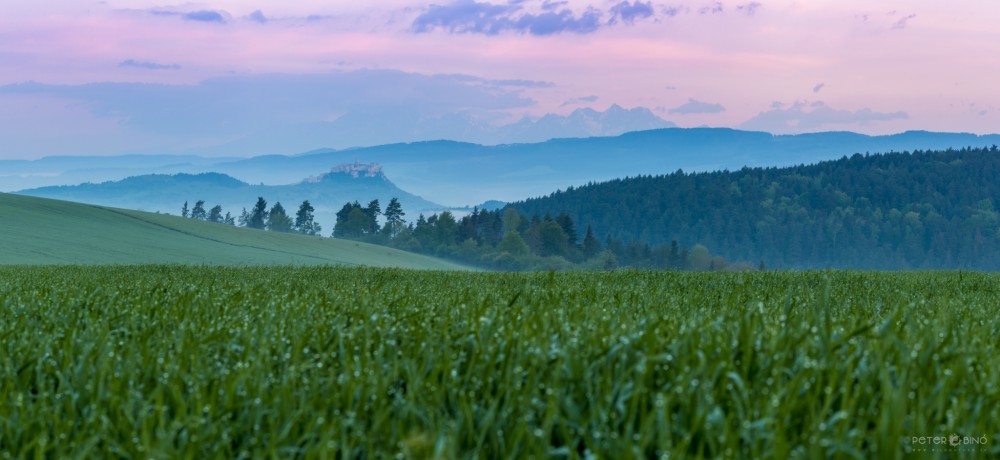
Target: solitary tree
{"points": [[394, 222], [373, 210], [568, 227], [591, 245], [278, 220], [699, 258], [445, 229], [258, 217], [355, 225], [215, 214], [511, 220], [184, 210], [304, 222], [198, 211], [554, 241], [513, 244], [340, 227]]}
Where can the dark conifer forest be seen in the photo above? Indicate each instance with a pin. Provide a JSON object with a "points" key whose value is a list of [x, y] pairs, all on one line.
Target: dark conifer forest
{"points": [[919, 210]]}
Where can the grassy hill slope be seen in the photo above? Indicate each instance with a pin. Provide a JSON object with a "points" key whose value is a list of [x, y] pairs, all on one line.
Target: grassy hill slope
{"points": [[43, 231]]}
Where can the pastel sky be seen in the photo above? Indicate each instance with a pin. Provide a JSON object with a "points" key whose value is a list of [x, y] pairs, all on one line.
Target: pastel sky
{"points": [[145, 76]]}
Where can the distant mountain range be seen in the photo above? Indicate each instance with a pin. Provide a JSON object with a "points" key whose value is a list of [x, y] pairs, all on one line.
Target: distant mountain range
{"points": [[585, 122], [458, 174], [327, 193], [358, 128]]}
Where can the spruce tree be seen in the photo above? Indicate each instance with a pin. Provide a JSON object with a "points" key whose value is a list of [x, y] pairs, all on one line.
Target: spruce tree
{"points": [[373, 210], [258, 217], [394, 217], [215, 214], [591, 245], [278, 220], [304, 222], [198, 211]]}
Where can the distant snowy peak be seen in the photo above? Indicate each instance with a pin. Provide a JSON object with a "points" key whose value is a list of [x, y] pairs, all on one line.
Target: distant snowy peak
{"points": [[584, 122]]}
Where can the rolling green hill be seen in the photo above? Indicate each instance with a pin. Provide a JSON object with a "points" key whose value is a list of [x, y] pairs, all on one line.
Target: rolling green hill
{"points": [[43, 231]]}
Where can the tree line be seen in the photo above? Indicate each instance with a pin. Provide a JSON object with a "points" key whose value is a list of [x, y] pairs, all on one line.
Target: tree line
{"points": [[260, 217], [509, 240], [502, 239]]}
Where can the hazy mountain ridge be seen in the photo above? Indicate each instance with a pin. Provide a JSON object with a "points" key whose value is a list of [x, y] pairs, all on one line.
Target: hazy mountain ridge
{"points": [[459, 173], [582, 122], [167, 193]]}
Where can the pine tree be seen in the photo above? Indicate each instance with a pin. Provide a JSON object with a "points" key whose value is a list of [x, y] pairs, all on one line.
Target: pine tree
{"points": [[554, 241], [394, 222], [513, 244], [340, 228], [304, 222], [569, 228], [258, 217], [591, 245], [198, 211], [278, 220], [373, 210], [511, 220], [215, 214], [184, 210]]}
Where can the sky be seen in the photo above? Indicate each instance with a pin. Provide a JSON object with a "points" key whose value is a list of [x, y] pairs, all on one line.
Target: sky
{"points": [[242, 77]]}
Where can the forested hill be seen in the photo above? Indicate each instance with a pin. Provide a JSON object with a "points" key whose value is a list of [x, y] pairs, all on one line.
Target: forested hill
{"points": [[926, 209]]}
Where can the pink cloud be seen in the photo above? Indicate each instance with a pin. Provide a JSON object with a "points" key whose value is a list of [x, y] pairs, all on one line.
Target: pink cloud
{"points": [[742, 61]]}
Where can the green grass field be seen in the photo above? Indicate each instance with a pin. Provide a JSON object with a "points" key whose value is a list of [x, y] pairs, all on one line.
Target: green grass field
{"points": [[43, 231], [319, 362]]}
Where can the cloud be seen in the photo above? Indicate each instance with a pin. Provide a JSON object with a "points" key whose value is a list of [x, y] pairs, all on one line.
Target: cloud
{"points": [[901, 23], [549, 23], [204, 16], [580, 100], [628, 12], [714, 8], [522, 83], [818, 87], [197, 16], [693, 106], [466, 17], [549, 5], [517, 83], [148, 65], [749, 9], [671, 11], [805, 116], [554, 17], [258, 17]]}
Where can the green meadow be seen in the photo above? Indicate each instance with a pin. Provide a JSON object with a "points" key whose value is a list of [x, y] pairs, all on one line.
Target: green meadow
{"points": [[169, 361], [42, 231]]}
